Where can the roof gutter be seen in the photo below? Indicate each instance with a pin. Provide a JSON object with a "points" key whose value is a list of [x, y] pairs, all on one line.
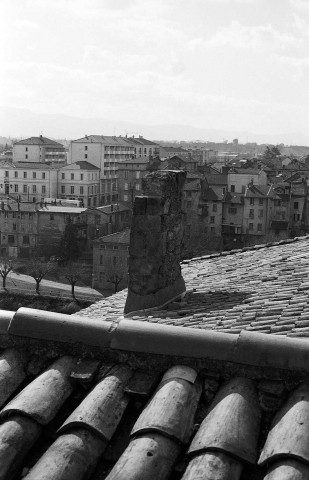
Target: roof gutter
{"points": [[247, 348]]}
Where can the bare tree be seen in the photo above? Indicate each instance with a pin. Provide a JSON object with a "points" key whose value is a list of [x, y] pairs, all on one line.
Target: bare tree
{"points": [[38, 269], [6, 267], [73, 273], [115, 277]]}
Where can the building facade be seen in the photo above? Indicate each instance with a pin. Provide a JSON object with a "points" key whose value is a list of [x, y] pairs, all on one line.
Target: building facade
{"points": [[39, 149], [80, 181]]}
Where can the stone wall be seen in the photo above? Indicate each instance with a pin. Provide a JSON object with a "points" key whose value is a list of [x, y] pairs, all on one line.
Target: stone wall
{"points": [[156, 242]]}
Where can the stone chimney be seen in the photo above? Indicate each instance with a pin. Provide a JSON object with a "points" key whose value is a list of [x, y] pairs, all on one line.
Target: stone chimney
{"points": [[156, 242]]}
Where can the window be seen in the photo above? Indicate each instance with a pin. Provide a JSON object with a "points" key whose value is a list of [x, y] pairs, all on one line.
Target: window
{"points": [[6, 173], [232, 188], [43, 189], [137, 187], [295, 205], [223, 190], [43, 175], [138, 174], [251, 213], [6, 214], [16, 188], [30, 215], [51, 216], [82, 176], [26, 239], [26, 156], [251, 201], [14, 214], [14, 226], [30, 227], [86, 148], [261, 201], [233, 210], [62, 188], [250, 226], [212, 229], [63, 176], [126, 186], [81, 190], [86, 156], [259, 227], [277, 203], [114, 260], [214, 207], [92, 189], [33, 188], [24, 188], [126, 174], [296, 217], [126, 198], [101, 259], [11, 238], [212, 219], [189, 204], [72, 176], [16, 174], [72, 190], [115, 247], [33, 174], [261, 213], [26, 149], [243, 188], [25, 174]]}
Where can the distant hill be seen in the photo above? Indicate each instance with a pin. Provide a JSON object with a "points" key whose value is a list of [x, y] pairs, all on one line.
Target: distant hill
{"points": [[21, 123]]}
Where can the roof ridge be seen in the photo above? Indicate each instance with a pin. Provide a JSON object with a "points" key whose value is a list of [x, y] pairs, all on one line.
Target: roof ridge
{"points": [[246, 249]]}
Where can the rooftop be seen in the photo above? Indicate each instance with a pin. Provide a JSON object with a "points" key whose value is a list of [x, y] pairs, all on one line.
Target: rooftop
{"points": [[211, 386], [80, 165], [104, 139], [39, 141], [118, 237]]}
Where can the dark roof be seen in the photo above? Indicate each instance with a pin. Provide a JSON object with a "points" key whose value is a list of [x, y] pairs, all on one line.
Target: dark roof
{"points": [[262, 191], [33, 166], [39, 141], [232, 197], [108, 209], [248, 171], [142, 141], [82, 164], [210, 195], [118, 237], [216, 179], [106, 140]]}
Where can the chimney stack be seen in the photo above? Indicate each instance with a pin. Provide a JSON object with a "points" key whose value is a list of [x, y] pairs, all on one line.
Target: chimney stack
{"points": [[156, 242]]}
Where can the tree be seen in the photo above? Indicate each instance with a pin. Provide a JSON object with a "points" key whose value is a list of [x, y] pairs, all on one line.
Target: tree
{"points": [[73, 273], [6, 267], [38, 269], [69, 243], [271, 152], [115, 277]]}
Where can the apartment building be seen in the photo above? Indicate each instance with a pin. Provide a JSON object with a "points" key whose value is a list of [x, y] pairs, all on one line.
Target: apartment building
{"points": [[110, 260], [28, 182], [39, 150], [105, 153], [239, 178], [80, 181], [144, 147], [18, 229], [130, 175]]}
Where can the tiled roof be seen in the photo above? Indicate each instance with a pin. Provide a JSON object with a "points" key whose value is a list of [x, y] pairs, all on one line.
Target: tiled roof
{"points": [[117, 207], [39, 141], [80, 165], [216, 179], [106, 140], [33, 166], [142, 141], [91, 399], [118, 237], [60, 209]]}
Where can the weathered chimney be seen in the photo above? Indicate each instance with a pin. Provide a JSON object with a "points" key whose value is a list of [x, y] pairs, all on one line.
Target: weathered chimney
{"points": [[156, 242]]}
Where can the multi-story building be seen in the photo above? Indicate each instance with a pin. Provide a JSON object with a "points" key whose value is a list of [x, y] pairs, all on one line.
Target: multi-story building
{"points": [[238, 179], [28, 182], [18, 229], [144, 147], [105, 153], [39, 150], [176, 162], [80, 181], [130, 174], [110, 261]]}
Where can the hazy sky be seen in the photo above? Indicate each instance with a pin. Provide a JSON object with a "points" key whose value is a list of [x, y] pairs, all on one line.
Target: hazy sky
{"points": [[208, 63]]}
